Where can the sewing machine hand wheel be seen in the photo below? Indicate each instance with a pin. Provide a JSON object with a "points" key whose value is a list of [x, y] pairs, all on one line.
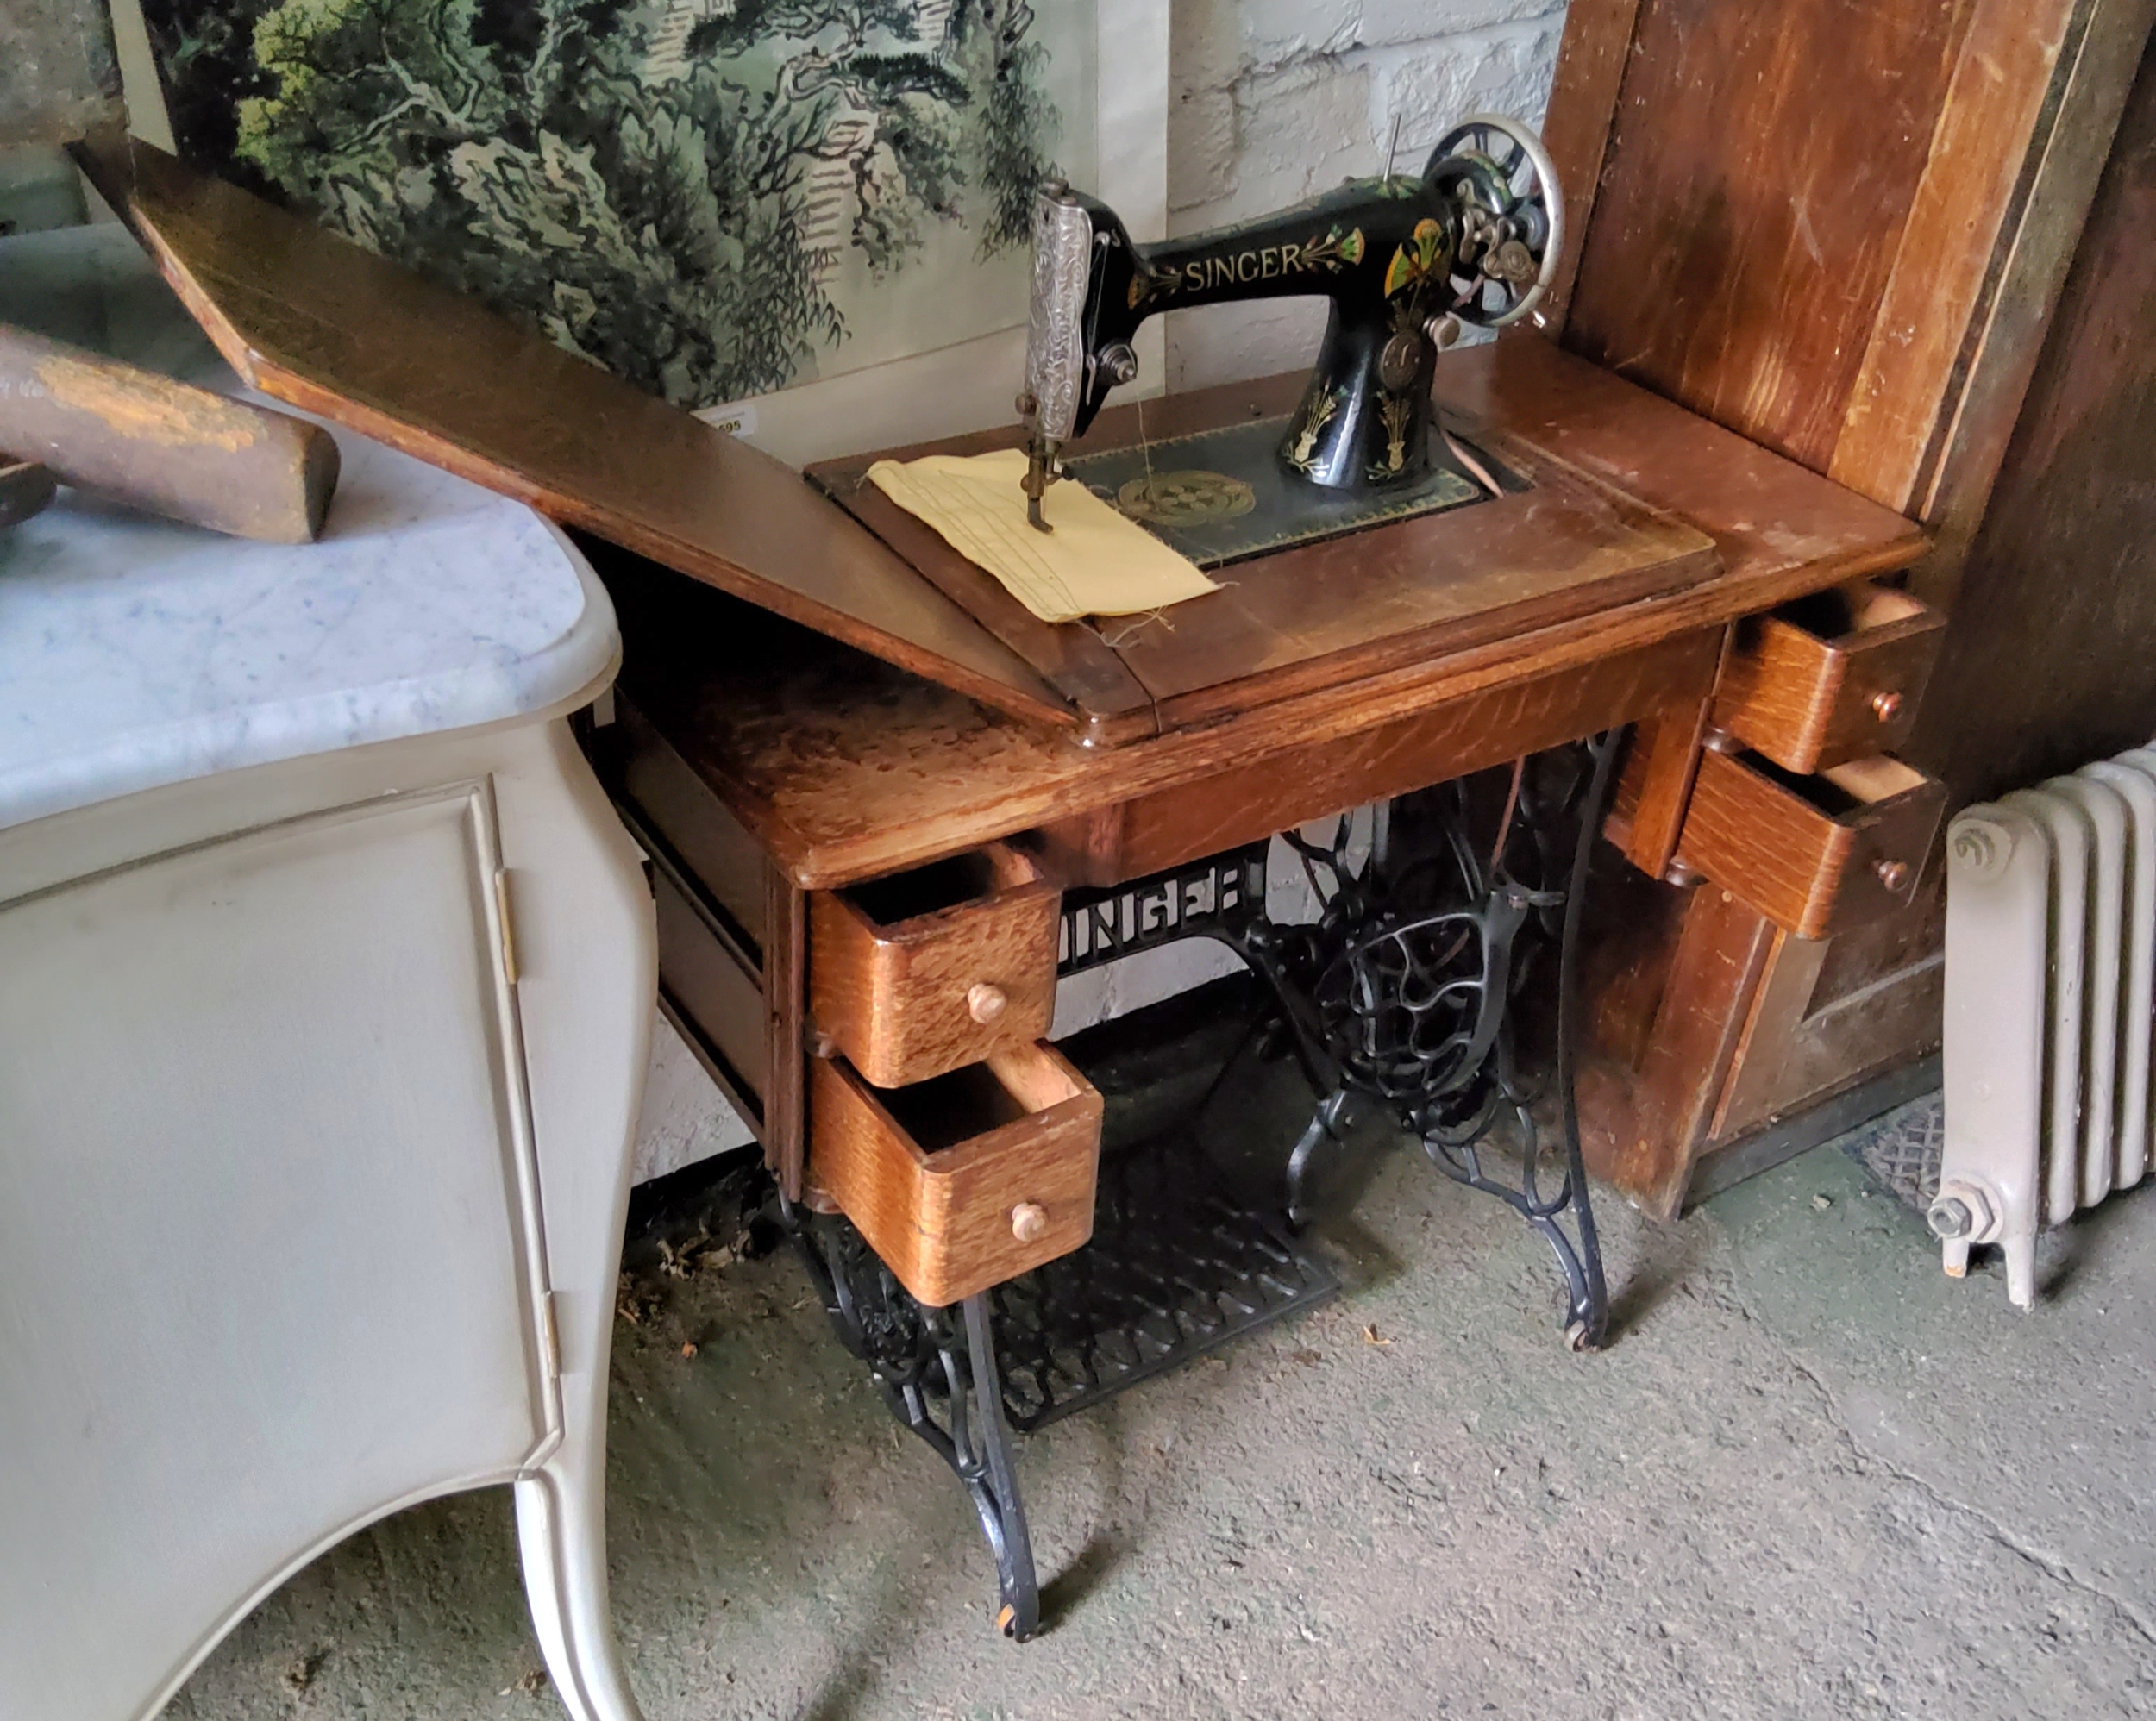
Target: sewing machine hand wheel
{"points": [[1513, 230]]}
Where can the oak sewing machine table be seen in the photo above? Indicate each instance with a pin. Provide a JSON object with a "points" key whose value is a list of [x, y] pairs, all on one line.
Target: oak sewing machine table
{"points": [[885, 807], [867, 878]]}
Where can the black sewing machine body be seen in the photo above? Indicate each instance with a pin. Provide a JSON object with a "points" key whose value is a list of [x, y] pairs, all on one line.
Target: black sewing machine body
{"points": [[1400, 257]]}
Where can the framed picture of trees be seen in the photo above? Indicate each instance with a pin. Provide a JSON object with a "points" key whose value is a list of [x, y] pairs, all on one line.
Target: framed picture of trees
{"points": [[806, 217]]}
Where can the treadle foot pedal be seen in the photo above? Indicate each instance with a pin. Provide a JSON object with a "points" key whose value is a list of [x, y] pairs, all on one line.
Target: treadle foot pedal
{"points": [[1177, 1266]]}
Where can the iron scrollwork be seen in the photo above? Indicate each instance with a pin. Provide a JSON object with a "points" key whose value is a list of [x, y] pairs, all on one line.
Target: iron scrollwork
{"points": [[1402, 993], [935, 1369]]}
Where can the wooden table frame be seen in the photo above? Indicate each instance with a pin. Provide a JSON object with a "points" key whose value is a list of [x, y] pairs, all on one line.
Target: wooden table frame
{"points": [[801, 765]]}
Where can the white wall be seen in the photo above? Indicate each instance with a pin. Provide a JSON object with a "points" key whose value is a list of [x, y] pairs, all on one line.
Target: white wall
{"points": [[1271, 101]]}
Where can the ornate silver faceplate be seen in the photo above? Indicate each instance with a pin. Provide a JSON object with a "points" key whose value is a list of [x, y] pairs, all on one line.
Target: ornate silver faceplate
{"points": [[1054, 335]]}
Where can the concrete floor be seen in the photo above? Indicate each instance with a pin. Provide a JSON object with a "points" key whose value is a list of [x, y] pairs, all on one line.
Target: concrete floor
{"points": [[1812, 1477]]}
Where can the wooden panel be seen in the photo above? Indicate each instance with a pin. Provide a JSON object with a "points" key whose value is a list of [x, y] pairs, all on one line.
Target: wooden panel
{"points": [[968, 1180], [1829, 678], [1992, 111], [784, 989], [310, 319], [1801, 1045], [707, 984], [1642, 1126], [1590, 76], [139, 437], [668, 802], [2041, 669], [1245, 802], [1814, 854], [1313, 615], [2046, 664], [1758, 177], [2079, 118], [1762, 511], [1655, 786], [1072, 657], [1948, 340], [965, 967]]}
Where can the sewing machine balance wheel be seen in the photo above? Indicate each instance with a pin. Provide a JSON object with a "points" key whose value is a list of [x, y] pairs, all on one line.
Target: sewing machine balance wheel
{"points": [[1514, 216]]}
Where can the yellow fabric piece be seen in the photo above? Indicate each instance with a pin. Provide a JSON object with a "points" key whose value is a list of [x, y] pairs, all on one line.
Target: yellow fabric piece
{"points": [[1094, 563]]}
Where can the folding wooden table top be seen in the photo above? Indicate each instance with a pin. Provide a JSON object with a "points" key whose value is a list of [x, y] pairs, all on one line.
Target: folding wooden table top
{"points": [[1596, 595]]}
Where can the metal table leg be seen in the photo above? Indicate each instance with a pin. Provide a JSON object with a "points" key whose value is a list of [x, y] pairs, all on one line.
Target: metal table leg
{"points": [[937, 1371]]}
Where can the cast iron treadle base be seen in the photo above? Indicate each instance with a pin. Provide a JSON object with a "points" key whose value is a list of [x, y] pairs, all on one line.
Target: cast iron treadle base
{"points": [[1902, 1150], [1177, 1266]]}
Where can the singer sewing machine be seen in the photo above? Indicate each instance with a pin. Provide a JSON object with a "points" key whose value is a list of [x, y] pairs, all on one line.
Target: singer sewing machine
{"points": [[1484, 535], [1405, 261]]}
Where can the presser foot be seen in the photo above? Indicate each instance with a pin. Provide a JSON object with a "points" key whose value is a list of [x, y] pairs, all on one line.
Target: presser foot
{"points": [[935, 1369]]}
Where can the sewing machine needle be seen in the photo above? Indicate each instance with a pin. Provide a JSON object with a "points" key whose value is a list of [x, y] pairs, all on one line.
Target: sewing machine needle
{"points": [[1034, 517]]}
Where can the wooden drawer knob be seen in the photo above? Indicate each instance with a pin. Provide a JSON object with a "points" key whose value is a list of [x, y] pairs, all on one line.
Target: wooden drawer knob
{"points": [[985, 1003], [1886, 707], [1892, 874], [1029, 1221]]}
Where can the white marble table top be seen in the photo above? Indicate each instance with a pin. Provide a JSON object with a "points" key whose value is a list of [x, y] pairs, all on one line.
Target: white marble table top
{"points": [[134, 653]]}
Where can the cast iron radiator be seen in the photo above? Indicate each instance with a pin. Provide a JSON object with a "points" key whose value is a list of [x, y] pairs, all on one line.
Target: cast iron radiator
{"points": [[2050, 926]]}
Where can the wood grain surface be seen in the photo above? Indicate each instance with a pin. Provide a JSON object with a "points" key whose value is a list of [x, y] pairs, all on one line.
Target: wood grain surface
{"points": [[2046, 665], [1969, 195], [163, 446], [1312, 615], [1072, 657], [1809, 697], [786, 1023], [942, 1219], [1811, 869], [1241, 803], [310, 319], [1759, 173], [708, 984], [2071, 149], [1584, 95], [2034, 676], [845, 770], [671, 804], [897, 998], [1738, 127], [1642, 1127], [1655, 784]]}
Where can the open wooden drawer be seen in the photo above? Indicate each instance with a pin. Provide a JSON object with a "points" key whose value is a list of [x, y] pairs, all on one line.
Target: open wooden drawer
{"points": [[924, 971], [964, 1180], [1815, 854], [1830, 678]]}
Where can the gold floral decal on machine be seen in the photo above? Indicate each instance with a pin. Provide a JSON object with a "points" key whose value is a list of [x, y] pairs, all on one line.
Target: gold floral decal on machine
{"points": [[1417, 261], [1316, 416], [1191, 497], [1398, 413]]}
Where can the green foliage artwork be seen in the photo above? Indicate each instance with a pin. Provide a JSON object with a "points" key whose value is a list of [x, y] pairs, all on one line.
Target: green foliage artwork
{"points": [[692, 193]]}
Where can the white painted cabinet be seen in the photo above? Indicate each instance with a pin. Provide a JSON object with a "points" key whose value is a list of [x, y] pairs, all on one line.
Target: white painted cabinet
{"points": [[326, 988]]}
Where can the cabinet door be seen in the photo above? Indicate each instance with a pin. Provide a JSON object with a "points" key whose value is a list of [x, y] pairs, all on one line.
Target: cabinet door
{"points": [[1850, 247], [270, 1257]]}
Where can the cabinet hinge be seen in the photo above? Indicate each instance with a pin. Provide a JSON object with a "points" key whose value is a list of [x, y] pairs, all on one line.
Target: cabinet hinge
{"points": [[508, 924]]}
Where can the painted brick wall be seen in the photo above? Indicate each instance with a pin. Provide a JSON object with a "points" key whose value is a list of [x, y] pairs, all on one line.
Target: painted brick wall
{"points": [[1273, 100]]}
